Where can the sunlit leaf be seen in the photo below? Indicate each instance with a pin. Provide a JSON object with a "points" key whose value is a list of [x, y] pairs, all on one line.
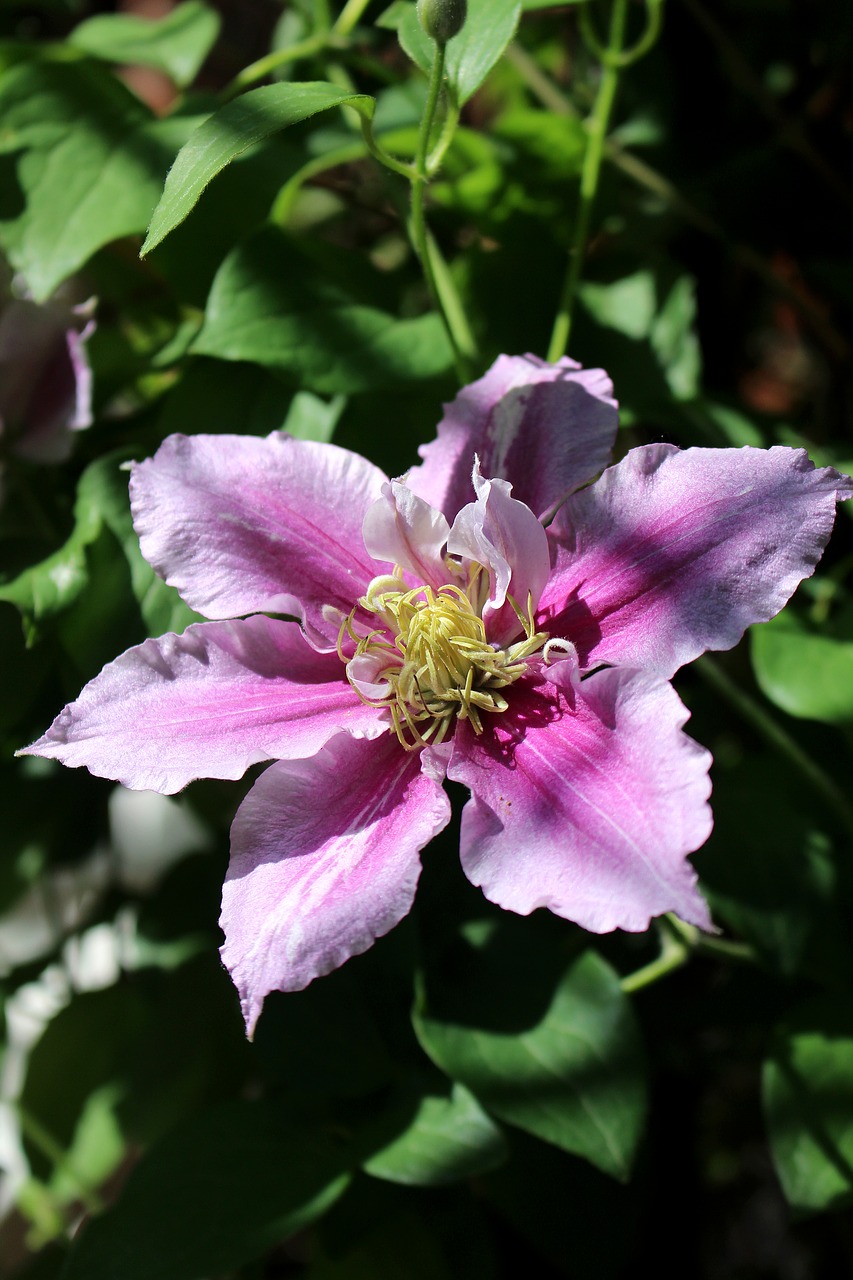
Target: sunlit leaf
{"points": [[270, 304], [808, 1101], [574, 1076], [67, 191], [806, 672], [231, 131], [176, 44], [448, 1139]]}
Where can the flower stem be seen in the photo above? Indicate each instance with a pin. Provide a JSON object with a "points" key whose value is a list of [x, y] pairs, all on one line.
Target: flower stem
{"points": [[678, 942], [674, 952], [349, 16], [436, 273], [590, 172], [778, 738], [660, 186]]}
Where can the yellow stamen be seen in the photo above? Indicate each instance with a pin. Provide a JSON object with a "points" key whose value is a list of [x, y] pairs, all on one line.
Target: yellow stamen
{"points": [[436, 660]]}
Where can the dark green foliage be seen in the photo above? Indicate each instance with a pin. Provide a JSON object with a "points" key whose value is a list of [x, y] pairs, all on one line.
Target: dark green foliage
{"points": [[478, 1097]]}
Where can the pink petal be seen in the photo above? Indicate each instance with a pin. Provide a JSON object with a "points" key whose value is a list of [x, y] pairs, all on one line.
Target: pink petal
{"points": [[403, 529], [591, 812], [547, 428], [505, 537], [45, 379], [207, 704], [672, 553], [244, 525], [311, 884]]}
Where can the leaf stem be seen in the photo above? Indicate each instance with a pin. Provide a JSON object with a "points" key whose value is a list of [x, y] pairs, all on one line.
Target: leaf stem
{"points": [[674, 953], [265, 66], [751, 710], [349, 16], [597, 132], [435, 271], [324, 38], [41, 1138], [678, 942]]}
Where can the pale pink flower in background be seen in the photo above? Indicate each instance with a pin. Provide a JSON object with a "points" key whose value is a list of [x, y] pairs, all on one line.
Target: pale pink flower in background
{"points": [[494, 618], [45, 378]]}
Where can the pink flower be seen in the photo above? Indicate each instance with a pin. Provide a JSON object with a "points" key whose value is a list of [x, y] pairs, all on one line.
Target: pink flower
{"points": [[45, 379], [446, 631]]}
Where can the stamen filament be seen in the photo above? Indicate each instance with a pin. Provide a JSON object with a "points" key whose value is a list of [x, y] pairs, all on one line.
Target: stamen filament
{"points": [[433, 655]]}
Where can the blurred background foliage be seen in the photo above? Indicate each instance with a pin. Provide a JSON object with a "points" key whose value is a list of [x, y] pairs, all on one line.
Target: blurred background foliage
{"points": [[479, 1093]]}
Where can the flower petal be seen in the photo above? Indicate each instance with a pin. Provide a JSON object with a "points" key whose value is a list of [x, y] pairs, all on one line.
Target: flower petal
{"points": [[244, 525], [311, 884], [505, 537], [671, 553], [592, 811], [547, 428], [402, 528], [45, 379], [207, 704]]}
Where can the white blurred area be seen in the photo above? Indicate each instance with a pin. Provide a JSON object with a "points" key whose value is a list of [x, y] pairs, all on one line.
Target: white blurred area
{"points": [[149, 834]]}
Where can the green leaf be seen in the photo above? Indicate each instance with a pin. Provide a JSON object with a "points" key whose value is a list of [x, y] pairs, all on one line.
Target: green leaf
{"points": [[72, 190], [658, 309], [311, 418], [808, 1103], [770, 874], [489, 27], [177, 44], [227, 134], [214, 1195], [448, 1139], [161, 607], [270, 304], [628, 305], [54, 584], [574, 1076], [805, 672]]}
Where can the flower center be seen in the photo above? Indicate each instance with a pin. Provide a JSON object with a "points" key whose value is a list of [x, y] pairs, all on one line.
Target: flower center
{"points": [[432, 658]]}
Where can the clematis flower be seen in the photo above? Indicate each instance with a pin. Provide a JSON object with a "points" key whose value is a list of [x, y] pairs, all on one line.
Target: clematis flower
{"points": [[494, 618], [45, 379]]}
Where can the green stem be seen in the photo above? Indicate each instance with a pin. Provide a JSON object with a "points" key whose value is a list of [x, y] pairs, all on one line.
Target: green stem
{"points": [[674, 953], [265, 66], [678, 941], [459, 340], [435, 157], [286, 198], [323, 39], [778, 738], [451, 303], [624, 58], [379, 153], [597, 133], [708, 943], [39, 1136], [651, 180], [349, 16]]}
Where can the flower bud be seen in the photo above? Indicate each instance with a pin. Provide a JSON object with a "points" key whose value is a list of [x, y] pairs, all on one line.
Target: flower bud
{"points": [[442, 19]]}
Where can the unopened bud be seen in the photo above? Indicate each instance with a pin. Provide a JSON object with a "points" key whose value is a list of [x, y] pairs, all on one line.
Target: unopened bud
{"points": [[442, 19]]}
